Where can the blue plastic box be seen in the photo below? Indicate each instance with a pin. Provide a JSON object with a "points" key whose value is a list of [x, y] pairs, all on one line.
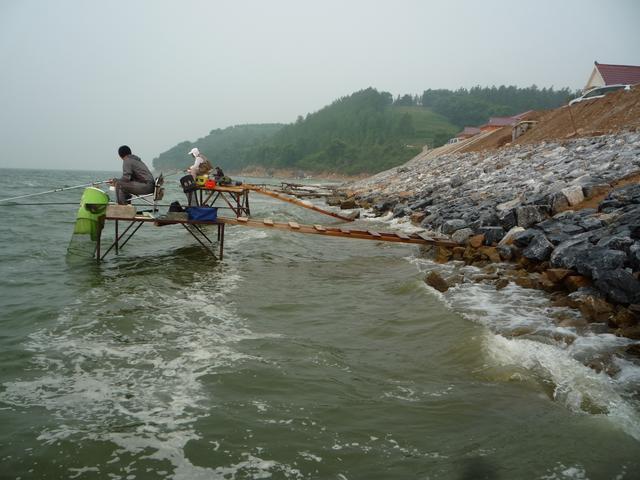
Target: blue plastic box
{"points": [[203, 214]]}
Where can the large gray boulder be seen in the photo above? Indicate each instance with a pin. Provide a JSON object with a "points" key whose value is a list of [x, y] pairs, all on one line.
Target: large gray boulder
{"points": [[529, 215], [619, 286], [598, 259], [539, 249]]}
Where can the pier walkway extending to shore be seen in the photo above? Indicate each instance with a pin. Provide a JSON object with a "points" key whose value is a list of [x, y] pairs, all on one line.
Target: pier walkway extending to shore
{"points": [[236, 199], [195, 228]]}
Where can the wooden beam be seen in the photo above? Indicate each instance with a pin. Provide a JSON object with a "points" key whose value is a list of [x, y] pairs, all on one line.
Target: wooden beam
{"points": [[338, 232], [300, 203]]}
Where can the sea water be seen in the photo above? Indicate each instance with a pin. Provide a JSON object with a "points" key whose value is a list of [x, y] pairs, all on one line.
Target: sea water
{"points": [[296, 357]]}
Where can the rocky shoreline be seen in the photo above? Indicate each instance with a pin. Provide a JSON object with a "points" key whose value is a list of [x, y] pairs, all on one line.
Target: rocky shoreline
{"points": [[561, 216]]}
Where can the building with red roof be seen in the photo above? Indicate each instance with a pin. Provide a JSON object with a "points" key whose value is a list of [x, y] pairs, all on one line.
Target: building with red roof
{"points": [[498, 122], [468, 132], [604, 74]]}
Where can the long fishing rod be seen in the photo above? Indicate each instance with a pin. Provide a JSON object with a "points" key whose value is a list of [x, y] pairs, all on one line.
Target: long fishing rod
{"points": [[55, 190], [62, 189]]}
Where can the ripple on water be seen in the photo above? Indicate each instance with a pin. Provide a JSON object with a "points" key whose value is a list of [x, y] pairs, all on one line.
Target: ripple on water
{"points": [[132, 377]]}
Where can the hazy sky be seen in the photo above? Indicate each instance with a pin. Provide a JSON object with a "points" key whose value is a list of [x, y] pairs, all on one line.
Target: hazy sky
{"points": [[79, 78]]}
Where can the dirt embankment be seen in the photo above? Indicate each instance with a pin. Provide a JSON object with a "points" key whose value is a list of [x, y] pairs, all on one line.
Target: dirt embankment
{"points": [[613, 113]]}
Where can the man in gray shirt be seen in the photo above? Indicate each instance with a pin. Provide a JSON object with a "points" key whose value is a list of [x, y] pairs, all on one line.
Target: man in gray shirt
{"points": [[136, 178]]}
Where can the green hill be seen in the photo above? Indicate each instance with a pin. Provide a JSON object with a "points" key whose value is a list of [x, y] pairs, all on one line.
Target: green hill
{"points": [[365, 132], [362, 132], [227, 146]]}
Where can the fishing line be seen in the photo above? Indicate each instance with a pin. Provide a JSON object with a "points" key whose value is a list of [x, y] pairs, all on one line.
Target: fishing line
{"points": [[62, 189], [55, 190]]}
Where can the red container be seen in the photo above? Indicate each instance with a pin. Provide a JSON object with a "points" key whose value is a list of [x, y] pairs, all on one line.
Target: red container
{"points": [[210, 184]]}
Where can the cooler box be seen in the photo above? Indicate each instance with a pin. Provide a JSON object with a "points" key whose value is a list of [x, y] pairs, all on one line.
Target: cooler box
{"points": [[205, 214]]}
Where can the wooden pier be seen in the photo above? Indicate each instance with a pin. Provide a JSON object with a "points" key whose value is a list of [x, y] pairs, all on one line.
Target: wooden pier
{"points": [[236, 199], [195, 228]]}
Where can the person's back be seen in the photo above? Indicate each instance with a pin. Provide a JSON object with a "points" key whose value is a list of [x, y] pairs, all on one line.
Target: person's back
{"points": [[136, 178], [201, 165], [138, 171]]}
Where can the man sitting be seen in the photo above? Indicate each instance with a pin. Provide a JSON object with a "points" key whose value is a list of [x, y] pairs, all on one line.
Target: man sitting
{"points": [[201, 165], [136, 178]]}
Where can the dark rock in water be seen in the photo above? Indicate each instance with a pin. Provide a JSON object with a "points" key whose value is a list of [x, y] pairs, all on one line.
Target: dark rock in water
{"points": [[567, 253], [598, 259], [334, 201], [348, 204], [619, 286], [507, 219], [529, 215], [435, 280], [492, 235], [617, 242], [450, 226], [539, 249], [524, 238], [592, 305]]}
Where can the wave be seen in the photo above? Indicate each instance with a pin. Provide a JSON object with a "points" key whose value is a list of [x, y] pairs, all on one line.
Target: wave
{"points": [[584, 369], [130, 373]]}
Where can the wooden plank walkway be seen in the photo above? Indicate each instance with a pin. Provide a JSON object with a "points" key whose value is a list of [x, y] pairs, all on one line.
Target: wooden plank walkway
{"points": [[341, 232], [300, 203]]}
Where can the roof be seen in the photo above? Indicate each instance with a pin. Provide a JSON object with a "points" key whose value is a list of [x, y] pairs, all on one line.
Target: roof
{"points": [[613, 74], [500, 122], [469, 131], [523, 115]]}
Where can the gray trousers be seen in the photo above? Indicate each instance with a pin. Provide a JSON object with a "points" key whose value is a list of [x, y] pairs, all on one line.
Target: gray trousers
{"points": [[124, 190]]}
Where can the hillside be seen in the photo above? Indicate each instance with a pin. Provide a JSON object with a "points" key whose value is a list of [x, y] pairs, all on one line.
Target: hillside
{"points": [[613, 113], [227, 146], [365, 132], [362, 132]]}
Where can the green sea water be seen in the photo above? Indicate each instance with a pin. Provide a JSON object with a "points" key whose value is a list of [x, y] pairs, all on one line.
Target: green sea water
{"points": [[296, 357]]}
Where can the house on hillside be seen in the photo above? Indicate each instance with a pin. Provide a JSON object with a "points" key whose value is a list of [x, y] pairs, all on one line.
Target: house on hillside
{"points": [[468, 132], [495, 123], [605, 74]]}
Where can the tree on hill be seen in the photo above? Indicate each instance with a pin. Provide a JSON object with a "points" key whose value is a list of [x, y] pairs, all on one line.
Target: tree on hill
{"points": [[474, 106]]}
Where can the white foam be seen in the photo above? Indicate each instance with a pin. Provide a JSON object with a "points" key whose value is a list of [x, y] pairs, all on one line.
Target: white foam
{"points": [[140, 391], [578, 387], [545, 351]]}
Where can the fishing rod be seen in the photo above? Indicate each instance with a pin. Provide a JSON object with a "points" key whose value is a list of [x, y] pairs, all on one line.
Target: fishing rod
{"points": [[55, 190]]}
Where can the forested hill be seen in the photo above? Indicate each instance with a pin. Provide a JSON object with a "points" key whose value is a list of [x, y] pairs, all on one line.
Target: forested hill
{"points": [[227, 146], [474, 106], [365, 132]]}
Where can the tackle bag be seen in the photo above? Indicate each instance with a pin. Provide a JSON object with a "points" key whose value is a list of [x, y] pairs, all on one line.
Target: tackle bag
{"points": [[208, 214]]}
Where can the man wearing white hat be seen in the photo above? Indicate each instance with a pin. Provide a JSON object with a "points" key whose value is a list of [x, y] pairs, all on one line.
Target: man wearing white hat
{"points": [[201, 165]]}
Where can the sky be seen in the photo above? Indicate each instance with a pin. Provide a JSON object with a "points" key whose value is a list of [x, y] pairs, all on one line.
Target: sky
{"points": [[79, 78]]}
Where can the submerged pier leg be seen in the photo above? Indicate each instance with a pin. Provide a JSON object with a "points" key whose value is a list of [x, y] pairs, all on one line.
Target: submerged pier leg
{"points": [[221, 238]]}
